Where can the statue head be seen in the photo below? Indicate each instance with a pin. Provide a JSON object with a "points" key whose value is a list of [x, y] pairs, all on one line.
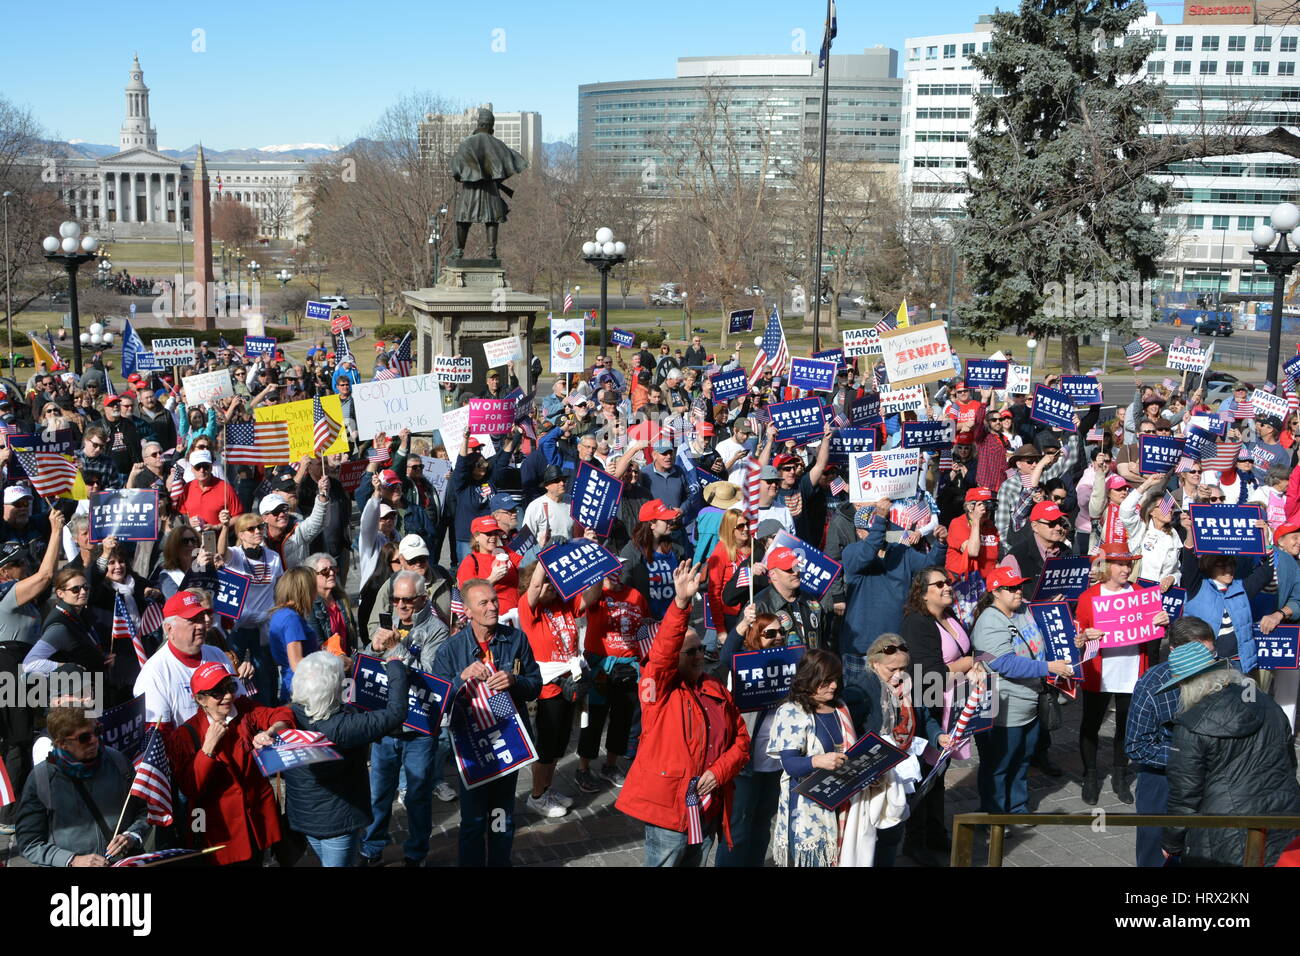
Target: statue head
{"points": [[485, 121]]}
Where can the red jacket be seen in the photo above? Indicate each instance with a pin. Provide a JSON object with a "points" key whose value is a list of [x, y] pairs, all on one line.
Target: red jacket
{"points": [[671, 751], [720, 570], [1092, 669], [234, 794]]}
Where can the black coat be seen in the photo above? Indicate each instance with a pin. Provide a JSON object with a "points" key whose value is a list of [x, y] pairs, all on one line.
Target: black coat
{"points": [[1233, 756]]}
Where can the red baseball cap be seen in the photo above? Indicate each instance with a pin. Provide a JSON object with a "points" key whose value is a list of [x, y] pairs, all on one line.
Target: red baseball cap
{"points": [[782, 559], [1046, 511], [1115, 482], [207, 676], [704, 430], [979, 494], [656, 510], [1289, 527], [389, 477], [1004, 578], [473, 443], [484, 525], [110, 400], [183, 604], [783, 460], [959, 384], [1005, 413]]}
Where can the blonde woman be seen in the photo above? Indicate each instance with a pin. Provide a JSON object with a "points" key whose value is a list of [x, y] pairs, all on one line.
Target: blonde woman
{"points": [[732, 550], [292, 637]]}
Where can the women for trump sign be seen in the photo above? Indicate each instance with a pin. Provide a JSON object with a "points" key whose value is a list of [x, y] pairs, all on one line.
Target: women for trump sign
{"points": [[1126, 617]]}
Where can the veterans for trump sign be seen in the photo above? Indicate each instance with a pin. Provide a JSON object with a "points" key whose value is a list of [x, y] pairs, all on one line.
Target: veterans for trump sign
{"points": [[883, 474], [1127, 617], [916, 354]]}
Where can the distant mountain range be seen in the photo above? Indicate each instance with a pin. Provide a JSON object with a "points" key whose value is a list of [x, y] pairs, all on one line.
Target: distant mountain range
{"points": [[308, 152]]}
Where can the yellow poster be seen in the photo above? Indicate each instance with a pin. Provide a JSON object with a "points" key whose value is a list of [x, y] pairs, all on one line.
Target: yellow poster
{"points": [[301, 427], [900, 321]]}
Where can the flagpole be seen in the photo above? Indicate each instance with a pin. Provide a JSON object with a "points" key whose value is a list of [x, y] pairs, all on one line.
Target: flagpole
{"points": [[821, 183]]}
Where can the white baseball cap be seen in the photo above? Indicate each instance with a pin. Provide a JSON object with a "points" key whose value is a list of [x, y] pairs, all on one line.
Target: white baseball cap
{"points": [[412, 547], [16, 493], [201, 457], [385, 510], [270, 503]]}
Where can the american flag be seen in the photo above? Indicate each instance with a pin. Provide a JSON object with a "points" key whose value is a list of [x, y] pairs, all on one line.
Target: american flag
{"points": [[1194, 343], [257, 443], [176, 484], [1244, 409], [124, 629], [402, 357], [838, 487], [743, 576], [458, 615], [12, 431], [886, 324], [864, 472], [1165, 507], [7, 795], [752, 486], [51, 473], [383, 373], [916, 514], [302, 738], [1176, 343], [151, 619], [694, 805], [158, 856], [1141, 351], [839, 421], [568, 302], [379, 455], [326, 429], [152, 781], [1224, 457], [773, 353], [945, 459], [342, 350], [645, 637]]}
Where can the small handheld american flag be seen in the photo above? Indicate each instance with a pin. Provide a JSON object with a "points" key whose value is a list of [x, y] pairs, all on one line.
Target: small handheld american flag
{"points": [[325, 429], [257, 443], [645, 637], [402, 357], [457, 607], [838, 487], [568, 301], [694, 805], [151, 618], [51, 474], [176, 484], [153, 782], [124, 629], [1165, 507], [1141, 350]]}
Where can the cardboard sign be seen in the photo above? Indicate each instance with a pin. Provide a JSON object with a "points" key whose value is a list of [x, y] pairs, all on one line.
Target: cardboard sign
{"points": [[929, 434], [259, 345], [1020, 379], [817, 572], [488, 745], [230, 594], [351, 473], [761, 679], [594, 499], [986, 373], [1158, 454], [851, 441], [453, 369], [302, 427], [208, 388], [568, 344], [1174, 600], [503, 351], [412, 401], [64, 442], [861, 342], [620, 337], [1278, 649], [282, 757], [492, 416], [870, 757], [888, 474], [318, 310], [740, 320], [426, 696], [1184, 358], [123, 728], [1058, 630], [917, 354], [865, 410], [341, 324], [1084, 389], [801, 420], [813, 374], [729, 385], [1226, 529], [1126, 618], [1065, 578], [832, 355], [128, 515], [1052, 407], [896, 400], [173, 351], [573, 566], [1268, 405]]}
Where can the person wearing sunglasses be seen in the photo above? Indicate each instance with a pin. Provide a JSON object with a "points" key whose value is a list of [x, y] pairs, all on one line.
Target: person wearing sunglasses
{"points": [[1149, 520], [68, 633], [69, 797], [1005, 749], [93, 458], [1033, 465], [253, 558], [332, 617]]}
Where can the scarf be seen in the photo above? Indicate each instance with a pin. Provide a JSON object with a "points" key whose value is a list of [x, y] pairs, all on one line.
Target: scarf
{"points": [[1113, 531], [69, 766]]}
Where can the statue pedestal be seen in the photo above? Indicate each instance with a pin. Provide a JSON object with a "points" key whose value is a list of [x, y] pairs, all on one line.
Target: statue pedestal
{"points": [[472, 304]]}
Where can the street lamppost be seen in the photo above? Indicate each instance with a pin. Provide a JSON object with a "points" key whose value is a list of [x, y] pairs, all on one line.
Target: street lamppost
{"points": [[103, 270], [254, 270], [71, 250], [96, 335], [9, 309], [1279, 261], [604, 254], [933, 306], [284, 276], [435, 240]]}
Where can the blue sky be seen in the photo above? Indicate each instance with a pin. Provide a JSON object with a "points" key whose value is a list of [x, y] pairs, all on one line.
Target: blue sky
{"points": [[288, 71]]}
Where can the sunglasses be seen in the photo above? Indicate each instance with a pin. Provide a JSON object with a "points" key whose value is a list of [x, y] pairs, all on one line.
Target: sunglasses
{"points": [[406, 600], [86, 736], [221, 690], [75, 589], [190, 542], [893, 648], [1030, 460], [939, 584], [327, 572], [1215, 500]]}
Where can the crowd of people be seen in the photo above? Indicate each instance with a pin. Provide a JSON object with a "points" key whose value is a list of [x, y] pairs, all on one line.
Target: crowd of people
{"points": [[423, 551]]}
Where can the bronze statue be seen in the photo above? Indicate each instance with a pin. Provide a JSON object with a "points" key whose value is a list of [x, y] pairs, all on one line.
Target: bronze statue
{"points": [[481, 164]]}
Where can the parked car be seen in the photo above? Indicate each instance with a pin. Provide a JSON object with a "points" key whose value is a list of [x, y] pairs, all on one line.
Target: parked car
{"points": [[1218, 386], [1213, 324], [336, 301], [755, 290]]}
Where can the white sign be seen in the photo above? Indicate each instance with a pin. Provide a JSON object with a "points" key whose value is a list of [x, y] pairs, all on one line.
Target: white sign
{"points": [[1184, 358], [1105, 335], [919, 353], [894, 478], [412, 401], [208, 387], [501, 351], [453, 370], [453, 428], [568, 338], [173, 351], [861, 342], [911, 399], [1268, 405], [1019, 379]]}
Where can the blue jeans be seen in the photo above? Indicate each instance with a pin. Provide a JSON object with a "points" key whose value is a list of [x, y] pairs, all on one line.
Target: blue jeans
{"points": [[462, 551], [668, 847], [440, 757], [387, 757], [266, 672], [1003, 777], [1152, 797], [753, 808], [336, 851], [487, 823]]}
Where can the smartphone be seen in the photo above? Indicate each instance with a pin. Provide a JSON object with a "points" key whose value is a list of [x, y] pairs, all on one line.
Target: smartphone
{"points": [[210, 541], [386, 622]]}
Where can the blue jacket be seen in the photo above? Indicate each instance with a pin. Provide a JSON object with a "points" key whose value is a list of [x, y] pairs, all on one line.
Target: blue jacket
{"points": [[877, 587], [509, 648], [1288, 583], [1207, 602], [465, 499]]}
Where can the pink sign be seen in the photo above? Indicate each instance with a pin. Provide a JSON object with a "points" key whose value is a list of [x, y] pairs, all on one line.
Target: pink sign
{"points": [[1126, 618], [491, 416]]}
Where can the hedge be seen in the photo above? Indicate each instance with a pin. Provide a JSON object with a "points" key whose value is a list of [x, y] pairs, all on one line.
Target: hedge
{"points": [[395, 331]]}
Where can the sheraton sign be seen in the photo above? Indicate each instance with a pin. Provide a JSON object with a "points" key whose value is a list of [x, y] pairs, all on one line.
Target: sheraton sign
{"points": [[1234, 10]]}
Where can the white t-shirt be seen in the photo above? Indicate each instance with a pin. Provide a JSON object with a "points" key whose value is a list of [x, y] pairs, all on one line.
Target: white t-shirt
{"points": [[165, 682], [543, 511], [261, 593], [1119, 665]]}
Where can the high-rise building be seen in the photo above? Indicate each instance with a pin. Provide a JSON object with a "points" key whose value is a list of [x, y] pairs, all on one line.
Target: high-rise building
{"points": [[775, 104], [1226, 64], [522, 132]]}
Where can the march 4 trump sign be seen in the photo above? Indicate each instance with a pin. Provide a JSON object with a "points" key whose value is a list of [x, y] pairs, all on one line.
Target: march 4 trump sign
{"points": [[1127, 617], [916, 354], [762, 679], [883, 474]]}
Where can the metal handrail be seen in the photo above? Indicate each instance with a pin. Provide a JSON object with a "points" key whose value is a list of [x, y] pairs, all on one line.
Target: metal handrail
{"points": [[1256, 827]]}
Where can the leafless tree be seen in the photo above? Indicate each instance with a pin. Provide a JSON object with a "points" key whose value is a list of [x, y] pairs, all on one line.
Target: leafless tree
{"points": [[233, 223]]}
